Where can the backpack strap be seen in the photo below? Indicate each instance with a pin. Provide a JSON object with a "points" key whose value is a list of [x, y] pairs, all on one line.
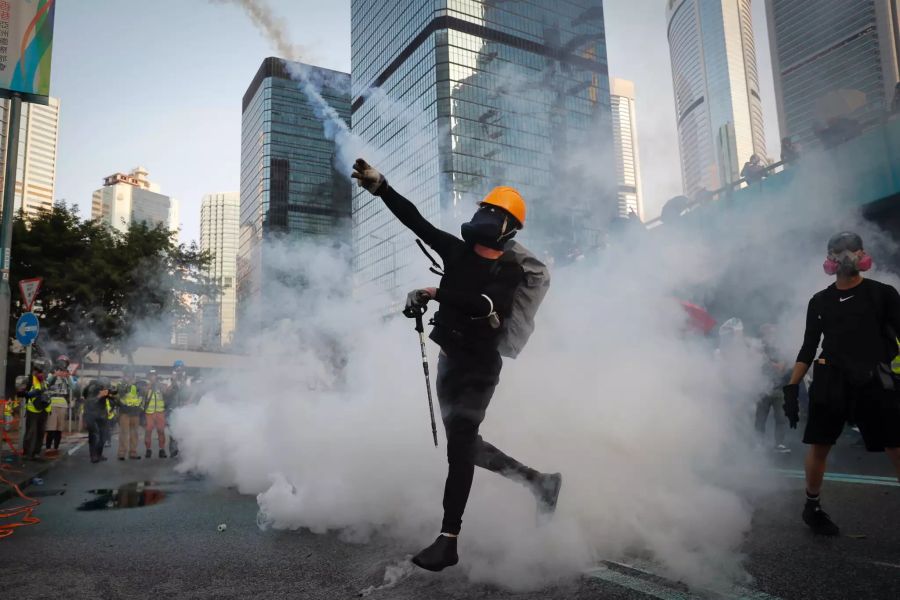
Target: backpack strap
{"points": [[435, 267]]}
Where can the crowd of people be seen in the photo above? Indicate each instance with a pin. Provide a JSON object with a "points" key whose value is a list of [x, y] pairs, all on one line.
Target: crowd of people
{"points": [[132, 404]]}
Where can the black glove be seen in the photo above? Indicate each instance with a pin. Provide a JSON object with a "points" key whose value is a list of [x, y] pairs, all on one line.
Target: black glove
{"points": [[368, 177], [792, 404], [416, 301]]}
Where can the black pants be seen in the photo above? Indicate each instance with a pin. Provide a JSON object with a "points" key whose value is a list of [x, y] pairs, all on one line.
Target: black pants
{"points": [[464, 391], [96, 424], [53, 439], [772, 403], [35, 424]]}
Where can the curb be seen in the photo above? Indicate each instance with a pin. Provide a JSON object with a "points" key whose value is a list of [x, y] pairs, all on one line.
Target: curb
{"points": [[24, 480]]}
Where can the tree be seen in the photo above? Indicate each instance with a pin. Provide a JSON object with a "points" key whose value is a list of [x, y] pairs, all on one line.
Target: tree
{"points": [[102, 286]]}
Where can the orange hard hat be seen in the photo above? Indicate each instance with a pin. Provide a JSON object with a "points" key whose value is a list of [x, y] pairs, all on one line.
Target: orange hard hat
{"points": [[510, 200]]}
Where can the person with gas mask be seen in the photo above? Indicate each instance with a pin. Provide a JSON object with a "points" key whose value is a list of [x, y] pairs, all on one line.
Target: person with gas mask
{"points": [[475, 296], [856, 320], [96, 401]]}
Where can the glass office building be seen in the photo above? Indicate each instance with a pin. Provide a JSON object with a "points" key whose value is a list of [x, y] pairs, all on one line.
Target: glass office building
{"points": [[717, 103], [830, 59], [289, 187], [458, 96]]}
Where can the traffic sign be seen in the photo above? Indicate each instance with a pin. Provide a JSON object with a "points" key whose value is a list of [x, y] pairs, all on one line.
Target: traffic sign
{"points": [[29, 289], [27, 328]]}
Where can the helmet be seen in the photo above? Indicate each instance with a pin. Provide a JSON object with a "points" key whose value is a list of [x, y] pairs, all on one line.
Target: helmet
{"points": [[127, 370], [152, 373], [63, 358], [731, 327], [61, 365], [39, 365], [509, 200], [103, 383], [178, 364]]}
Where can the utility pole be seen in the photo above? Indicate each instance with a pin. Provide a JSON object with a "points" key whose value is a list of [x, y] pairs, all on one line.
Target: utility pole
{"points": [[9, 201]]}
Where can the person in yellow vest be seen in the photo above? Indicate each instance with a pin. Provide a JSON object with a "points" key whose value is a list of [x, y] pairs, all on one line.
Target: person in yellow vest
{"points": [[155, 416], [37, 407], [58, 388], [131, 405]]}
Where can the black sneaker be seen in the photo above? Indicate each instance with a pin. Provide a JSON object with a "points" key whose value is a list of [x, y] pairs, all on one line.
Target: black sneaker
{"points": [[818, 520], [148, 453], [121, 458], [162, 454], [439, 555], [546, 490]]}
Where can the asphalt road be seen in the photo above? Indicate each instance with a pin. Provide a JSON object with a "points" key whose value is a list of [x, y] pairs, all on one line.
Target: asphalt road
{"points": [[170, 548]]}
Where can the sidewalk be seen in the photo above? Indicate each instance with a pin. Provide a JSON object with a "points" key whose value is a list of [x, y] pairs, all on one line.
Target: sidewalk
{"points": [[21, 473]]}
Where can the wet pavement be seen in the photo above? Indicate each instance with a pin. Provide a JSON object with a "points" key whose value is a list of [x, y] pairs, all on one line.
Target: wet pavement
{"points": [[155, 533]]}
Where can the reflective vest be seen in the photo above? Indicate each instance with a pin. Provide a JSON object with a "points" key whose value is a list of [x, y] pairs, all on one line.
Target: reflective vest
{"points": [[132, 399], [155, 402], [110, 412], [29, 404], [58, 390]]}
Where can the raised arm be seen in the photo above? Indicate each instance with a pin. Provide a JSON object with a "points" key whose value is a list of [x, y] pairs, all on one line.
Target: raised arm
{"points": [[403, 209]]}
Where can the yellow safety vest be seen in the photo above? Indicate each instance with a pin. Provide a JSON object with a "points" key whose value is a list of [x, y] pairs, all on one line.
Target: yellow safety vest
{"points": [[29, 405], [895, 365], [155, 403], [132, 399], [110, 413]]}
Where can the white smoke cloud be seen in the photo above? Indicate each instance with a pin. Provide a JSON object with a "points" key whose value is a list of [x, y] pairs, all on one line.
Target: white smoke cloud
{"points": [[651, 430]]}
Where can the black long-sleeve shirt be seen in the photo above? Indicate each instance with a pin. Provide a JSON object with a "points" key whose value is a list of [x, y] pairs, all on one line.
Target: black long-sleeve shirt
{"points": [[852, 325], [471, 289]]}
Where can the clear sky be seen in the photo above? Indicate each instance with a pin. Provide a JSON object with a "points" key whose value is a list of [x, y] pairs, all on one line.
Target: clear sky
{"points": [[159, 84]]}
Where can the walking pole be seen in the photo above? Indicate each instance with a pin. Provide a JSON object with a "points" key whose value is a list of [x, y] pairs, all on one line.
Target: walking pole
{"points": [[416, 312]]}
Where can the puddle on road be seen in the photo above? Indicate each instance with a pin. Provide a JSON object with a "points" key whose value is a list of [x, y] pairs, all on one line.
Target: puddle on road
{"points": [[130, 495]]}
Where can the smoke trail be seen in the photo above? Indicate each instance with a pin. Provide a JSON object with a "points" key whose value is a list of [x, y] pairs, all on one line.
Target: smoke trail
{"points": [[263, 17]]}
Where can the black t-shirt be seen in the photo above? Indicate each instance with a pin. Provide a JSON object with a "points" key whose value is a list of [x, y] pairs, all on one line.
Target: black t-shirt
{"points": [[471, 288], [853, 325]]}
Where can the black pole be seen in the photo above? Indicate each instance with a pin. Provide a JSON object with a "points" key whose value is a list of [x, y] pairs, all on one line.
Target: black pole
{"points": [[9, 202]]}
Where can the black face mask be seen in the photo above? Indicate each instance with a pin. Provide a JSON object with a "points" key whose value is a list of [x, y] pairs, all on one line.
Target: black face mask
{"points": [[490, 227]]}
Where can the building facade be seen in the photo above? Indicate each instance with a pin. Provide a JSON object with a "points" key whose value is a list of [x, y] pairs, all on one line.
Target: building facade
{"points": [[289, 186], [219, 226], [459, 96], [832, 60], [717, 103], [36, 163], [132, 198], [628, 164]]}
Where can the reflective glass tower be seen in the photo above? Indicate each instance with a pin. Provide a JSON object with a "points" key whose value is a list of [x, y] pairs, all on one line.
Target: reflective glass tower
{"points": [[717, 101], [289, 188], [832, 59], [459, 96]]}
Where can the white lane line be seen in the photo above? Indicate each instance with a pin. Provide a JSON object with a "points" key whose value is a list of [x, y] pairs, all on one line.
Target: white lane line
{"points": [[656, 590], [638, 584], [76, 448], [845, 478]]}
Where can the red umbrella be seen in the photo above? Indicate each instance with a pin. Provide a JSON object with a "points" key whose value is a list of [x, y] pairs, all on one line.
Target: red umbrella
{"points": [[698, 319]]}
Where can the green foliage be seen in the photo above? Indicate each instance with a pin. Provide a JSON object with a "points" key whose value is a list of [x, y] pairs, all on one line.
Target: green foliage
{"points": [[101, 286]]}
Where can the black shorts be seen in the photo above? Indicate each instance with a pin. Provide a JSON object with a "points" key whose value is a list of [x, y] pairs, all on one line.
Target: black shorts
{"points": [[833, 401]]}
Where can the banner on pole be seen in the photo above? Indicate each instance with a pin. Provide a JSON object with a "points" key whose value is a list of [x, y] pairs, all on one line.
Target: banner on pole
{"points": [[26, 44]]}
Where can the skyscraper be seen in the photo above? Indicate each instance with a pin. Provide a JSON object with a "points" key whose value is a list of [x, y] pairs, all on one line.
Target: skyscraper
{"points": [[628, 167], [289, 188], [717, 103], [219, 216], [132, 198], [36, 166], [459, 96], [832, 59]]}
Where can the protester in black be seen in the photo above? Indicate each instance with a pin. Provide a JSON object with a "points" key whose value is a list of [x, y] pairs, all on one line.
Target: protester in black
{"points": [[96, 395], [475, 296], [857, 321]]}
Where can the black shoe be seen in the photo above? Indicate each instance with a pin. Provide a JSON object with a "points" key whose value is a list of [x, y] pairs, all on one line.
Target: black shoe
{"points": [[818, 520], [121, 458], [174, 453], [135, 457], [95, 460], [438, 556], [148, 453], [103, 458], [546, 490]]}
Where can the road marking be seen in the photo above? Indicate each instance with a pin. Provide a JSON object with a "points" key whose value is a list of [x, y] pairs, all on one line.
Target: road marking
{"points": [[845, 478], [76, 448], [663, 592]]}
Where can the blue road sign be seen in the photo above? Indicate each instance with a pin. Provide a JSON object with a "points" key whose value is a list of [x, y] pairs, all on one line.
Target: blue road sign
{"points": [[27, 328]]}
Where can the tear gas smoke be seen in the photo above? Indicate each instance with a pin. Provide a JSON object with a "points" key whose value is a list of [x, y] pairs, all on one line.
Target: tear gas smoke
{"points": [[651, 428]]}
